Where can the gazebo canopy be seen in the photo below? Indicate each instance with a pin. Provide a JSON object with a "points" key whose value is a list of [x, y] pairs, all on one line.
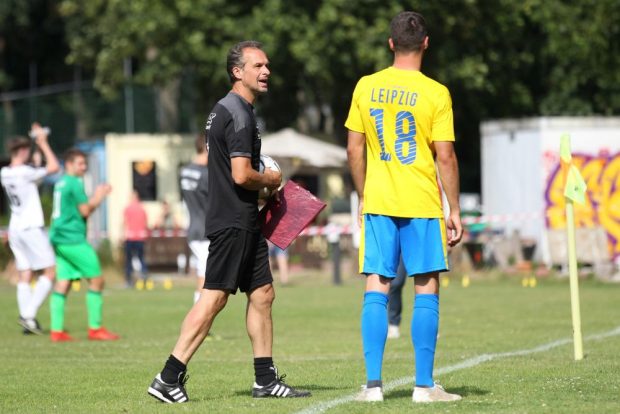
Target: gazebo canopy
{"points": [[302, 150]]}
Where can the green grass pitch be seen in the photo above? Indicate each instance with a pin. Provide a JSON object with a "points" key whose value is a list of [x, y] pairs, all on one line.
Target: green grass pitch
{"points": [[318, 345]]}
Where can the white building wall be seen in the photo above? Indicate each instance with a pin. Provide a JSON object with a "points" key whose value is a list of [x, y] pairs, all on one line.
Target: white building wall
{"points": [[167, 151], [511, 172], [520, 159]]}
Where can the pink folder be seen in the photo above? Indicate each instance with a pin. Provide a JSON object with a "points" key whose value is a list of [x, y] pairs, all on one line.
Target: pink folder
{"points": [[282, 221]]}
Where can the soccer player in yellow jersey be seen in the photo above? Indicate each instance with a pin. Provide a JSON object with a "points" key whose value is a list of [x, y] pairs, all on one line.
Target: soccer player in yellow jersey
{"points": [[400, 124]]}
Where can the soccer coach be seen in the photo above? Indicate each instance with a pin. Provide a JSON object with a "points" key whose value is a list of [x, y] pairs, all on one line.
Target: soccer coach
{"points": [[238, 254]]}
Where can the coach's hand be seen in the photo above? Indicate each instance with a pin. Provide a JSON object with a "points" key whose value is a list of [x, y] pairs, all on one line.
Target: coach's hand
{"points": [[360, 214], [274, 177], [455, 228]]}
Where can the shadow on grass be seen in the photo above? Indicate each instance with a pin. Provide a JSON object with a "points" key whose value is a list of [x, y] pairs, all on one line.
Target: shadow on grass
{"points": [[463, 391], [301, 387]]}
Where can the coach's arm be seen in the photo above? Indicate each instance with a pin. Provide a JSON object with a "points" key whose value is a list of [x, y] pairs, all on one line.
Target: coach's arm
{"points": [[449, 174], [247, 177]]}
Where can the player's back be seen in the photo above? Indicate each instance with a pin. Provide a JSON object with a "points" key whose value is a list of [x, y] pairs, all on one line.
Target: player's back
{"points": [[20, 184], [194, 188], [401, 112]]}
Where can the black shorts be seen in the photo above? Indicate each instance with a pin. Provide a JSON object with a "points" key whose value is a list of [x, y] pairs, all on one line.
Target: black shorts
{"points": [[238, 259]]}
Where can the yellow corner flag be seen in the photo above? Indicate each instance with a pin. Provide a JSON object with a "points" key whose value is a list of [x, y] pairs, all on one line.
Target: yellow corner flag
{"points": [[575, 190], [575, 187]]}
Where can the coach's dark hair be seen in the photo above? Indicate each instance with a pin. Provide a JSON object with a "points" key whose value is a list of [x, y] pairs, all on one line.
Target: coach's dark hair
{"points": [[17, 143], [72, 153], [408, 30], [235, 56]]}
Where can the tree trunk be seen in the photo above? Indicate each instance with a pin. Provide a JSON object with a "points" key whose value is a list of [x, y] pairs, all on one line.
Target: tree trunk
{"points": [[168, 106]]}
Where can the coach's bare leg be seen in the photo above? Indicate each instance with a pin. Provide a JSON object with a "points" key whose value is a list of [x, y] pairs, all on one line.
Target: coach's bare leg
{"points": [[197, 323], [427, 283], [258, 320]]}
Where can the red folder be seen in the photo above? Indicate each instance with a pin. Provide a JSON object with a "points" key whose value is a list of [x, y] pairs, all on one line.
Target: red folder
{"points": [[282, 221]]}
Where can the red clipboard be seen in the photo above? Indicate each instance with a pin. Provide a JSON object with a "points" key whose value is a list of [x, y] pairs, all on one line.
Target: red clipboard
{"points": [[282, 221]]}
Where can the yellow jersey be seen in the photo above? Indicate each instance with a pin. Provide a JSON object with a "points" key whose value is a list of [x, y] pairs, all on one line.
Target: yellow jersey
{"points": [[401, 112]]}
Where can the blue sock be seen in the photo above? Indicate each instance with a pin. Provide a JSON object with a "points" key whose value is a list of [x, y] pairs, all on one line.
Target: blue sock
{"points": [[424, 325], [374, 334]]}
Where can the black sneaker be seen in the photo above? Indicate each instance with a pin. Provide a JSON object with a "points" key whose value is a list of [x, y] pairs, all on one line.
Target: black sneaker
{"points": [[277, 389], [30, 325], [169, 393]]}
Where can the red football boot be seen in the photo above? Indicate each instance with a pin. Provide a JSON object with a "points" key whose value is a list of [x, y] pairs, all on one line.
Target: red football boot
{"points": [[101, 334], [60, 336]]}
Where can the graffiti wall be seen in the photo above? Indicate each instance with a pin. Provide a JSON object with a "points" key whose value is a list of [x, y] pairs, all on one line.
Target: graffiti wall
{"points": [[602, 207]]}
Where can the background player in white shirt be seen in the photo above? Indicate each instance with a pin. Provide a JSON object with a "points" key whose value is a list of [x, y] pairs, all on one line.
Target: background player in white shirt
{"points": [[27, 237]]}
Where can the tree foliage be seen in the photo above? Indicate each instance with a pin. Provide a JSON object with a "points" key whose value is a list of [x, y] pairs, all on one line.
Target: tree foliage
{"points": [[499, 58], [31, 31]]}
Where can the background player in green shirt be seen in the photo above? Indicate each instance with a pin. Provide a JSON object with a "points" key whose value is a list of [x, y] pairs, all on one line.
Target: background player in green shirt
{"points": [[75, 257]]}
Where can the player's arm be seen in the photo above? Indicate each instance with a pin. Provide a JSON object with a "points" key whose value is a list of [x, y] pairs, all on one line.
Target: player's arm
{"points": [[448, 167], [101, 192], [356, 145], [247, 177], [356, 156], [52, 165]]}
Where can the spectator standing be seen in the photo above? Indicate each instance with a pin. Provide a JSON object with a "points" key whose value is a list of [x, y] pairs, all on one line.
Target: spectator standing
{"points": [[136, 230]]}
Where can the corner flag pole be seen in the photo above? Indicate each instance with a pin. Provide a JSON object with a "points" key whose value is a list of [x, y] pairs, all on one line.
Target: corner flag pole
{"points": [[574, 191], [574, 281]]}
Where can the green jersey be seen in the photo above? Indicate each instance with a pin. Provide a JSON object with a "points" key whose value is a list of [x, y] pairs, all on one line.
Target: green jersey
{"points": [[68, 225]]}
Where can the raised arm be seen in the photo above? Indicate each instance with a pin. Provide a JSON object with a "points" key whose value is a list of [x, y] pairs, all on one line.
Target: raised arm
{"points": [[101, 192], [52, 166]]}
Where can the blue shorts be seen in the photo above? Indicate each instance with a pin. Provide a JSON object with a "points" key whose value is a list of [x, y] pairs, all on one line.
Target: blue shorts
{"points": [[420, 241]]}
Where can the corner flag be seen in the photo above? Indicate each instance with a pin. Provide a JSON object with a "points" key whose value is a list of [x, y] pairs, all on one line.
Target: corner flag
{"points": [[575, 187], [574, 190]]}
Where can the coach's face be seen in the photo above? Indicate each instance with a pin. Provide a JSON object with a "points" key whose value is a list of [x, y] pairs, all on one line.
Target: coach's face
{"points": [[255, 71]]}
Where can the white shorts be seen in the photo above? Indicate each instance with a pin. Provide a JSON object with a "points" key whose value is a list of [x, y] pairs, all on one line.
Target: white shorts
{"points": [[200, 250], [32, 249]]}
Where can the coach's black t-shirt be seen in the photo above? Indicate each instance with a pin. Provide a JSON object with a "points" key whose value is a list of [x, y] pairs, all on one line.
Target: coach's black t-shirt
{"points": [[231, 131]]}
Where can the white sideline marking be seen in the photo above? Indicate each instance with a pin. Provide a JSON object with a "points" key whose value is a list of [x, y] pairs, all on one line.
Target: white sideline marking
{"points": [[468, 363]]}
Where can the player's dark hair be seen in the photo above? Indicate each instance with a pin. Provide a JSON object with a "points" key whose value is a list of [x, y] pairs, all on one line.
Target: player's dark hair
{"points": [[235, 56], [17, 143], [200, 143], [72, 153], [408, 30]]}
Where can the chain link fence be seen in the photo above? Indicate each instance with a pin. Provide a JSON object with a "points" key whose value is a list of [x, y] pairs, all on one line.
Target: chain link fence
{"points": [[77, 111]]}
